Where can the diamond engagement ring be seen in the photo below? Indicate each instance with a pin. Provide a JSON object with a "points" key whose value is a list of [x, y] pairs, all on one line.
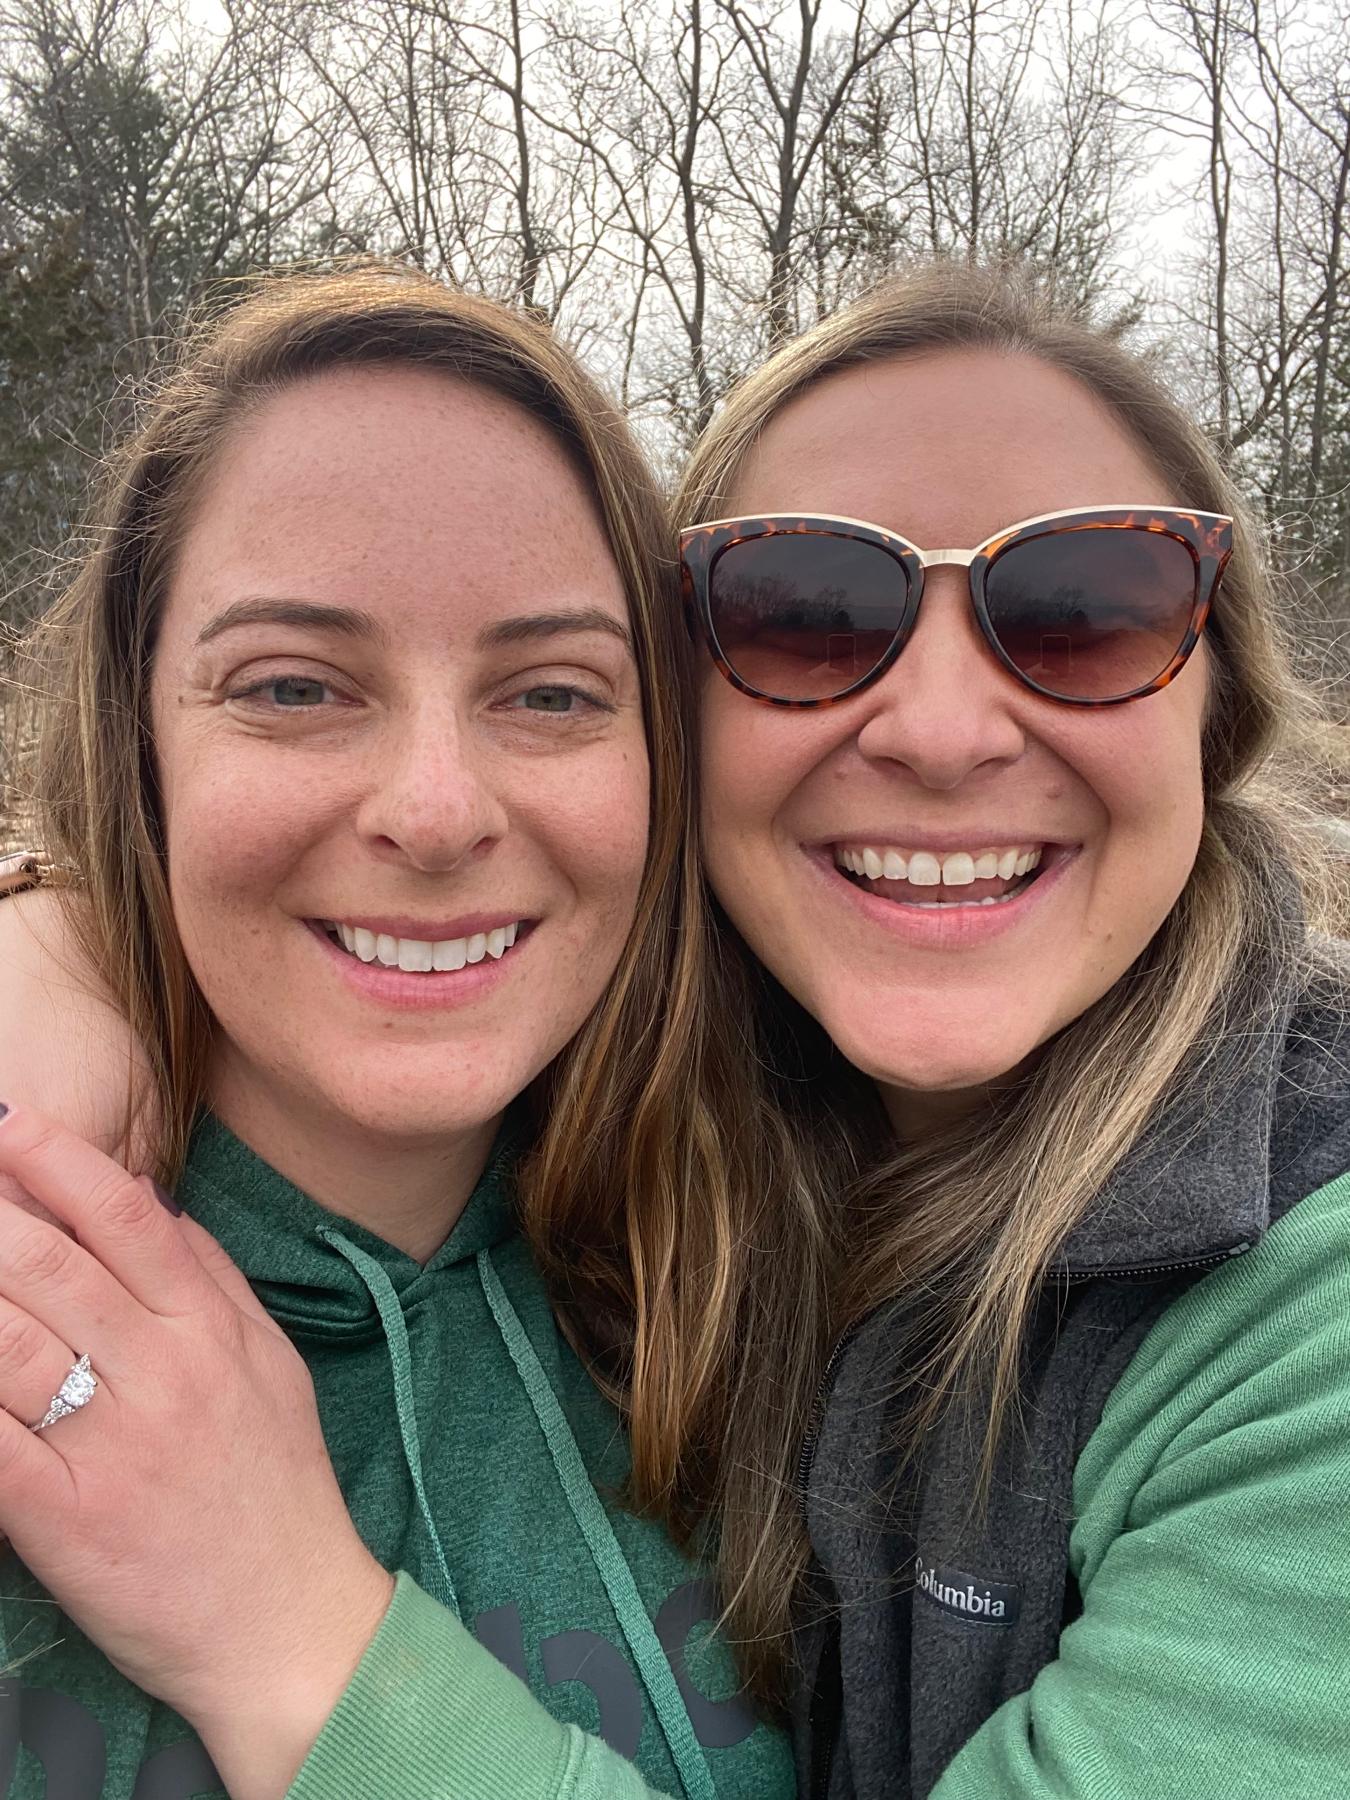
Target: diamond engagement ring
{"points": [[75, 1391]]}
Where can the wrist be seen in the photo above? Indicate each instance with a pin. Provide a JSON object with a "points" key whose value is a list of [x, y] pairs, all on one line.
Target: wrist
{"points": [[258, 1726]]}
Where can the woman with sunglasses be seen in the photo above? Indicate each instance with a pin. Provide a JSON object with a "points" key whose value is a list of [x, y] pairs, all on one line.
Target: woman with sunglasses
{"points": [[359, 730], [989, 792], [1049, 1039]]}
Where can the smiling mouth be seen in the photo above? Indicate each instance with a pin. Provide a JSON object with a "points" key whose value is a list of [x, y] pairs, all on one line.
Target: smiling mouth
{"points": [[420, 956], [920, 878]]}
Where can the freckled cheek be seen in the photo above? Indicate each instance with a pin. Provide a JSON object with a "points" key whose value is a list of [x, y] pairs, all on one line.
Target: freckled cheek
{"points": [[592, 823], [235, 827]]}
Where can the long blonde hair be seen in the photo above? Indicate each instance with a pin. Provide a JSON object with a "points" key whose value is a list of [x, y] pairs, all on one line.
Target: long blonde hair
{"points": [[963, 1227], [647, 1137]]}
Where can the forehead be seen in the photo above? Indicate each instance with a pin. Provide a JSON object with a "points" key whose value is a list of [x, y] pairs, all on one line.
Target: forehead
{"points": [[947, 447], [396, 485]]}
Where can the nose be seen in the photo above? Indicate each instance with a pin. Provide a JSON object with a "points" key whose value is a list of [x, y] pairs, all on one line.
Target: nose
{"points": [[945, 710], [431, 800]]}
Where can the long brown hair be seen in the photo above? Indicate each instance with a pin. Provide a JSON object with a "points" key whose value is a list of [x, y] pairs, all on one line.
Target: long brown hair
{"points": [[646, 1134], [961, 1227]]}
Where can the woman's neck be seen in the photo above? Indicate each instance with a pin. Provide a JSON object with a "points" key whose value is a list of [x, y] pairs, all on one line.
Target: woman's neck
{"points": [[919, 1113], [916, 1113], [410, 1191]]}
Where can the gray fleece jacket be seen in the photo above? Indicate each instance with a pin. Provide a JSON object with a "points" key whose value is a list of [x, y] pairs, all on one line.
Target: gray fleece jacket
{"points": [[1131, 1615]]}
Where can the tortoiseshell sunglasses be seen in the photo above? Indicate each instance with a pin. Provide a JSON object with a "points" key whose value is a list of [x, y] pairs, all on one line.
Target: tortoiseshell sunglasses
{"points": [[1092, 607]]}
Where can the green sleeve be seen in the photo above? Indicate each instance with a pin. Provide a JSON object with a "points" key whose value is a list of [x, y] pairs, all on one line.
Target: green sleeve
{"points": [[1212, 1552], [430, 1712]]}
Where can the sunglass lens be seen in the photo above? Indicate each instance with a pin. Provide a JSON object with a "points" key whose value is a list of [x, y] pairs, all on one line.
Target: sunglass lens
{"points": [[803, 616], [1092, 614]]}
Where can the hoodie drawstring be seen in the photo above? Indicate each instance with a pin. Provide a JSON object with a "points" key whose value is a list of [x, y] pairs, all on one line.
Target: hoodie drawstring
{"points": [[593, 1522], [381, 1290]]}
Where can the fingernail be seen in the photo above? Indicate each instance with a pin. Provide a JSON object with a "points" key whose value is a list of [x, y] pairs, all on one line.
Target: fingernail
{"points": [[3, 1109], [166, 1200]]}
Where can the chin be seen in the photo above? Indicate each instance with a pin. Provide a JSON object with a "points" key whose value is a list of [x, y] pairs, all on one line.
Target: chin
{"points": [[417, 1104], [929, 1066]]}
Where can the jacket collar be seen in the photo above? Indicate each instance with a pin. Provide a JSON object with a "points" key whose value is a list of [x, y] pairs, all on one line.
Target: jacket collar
{"points": [[1196, 1186]]}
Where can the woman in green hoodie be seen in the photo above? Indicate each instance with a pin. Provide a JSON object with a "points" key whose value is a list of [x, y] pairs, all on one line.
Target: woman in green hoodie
{"points": [[361, 737]]}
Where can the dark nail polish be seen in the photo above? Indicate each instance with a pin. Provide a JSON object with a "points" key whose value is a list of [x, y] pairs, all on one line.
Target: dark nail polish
{"points": [[166, 1200], [3, 1109]]}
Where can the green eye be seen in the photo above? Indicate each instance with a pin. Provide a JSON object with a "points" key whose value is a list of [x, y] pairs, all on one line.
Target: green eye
{"points": [[549, 699], [296, 690]]}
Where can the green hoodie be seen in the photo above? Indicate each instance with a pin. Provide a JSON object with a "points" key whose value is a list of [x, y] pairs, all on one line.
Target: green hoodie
{"points": [[471, 1447]]}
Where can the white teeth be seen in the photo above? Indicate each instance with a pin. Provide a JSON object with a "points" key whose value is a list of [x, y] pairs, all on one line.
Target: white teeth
{"points": [[948, 906], [924, 869], [415, 956]]}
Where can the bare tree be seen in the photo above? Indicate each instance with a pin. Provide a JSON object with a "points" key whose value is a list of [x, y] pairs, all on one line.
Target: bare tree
{"points": [[1260, 95], [997, 133], [142, 160], [1263, 89], [677, 188], [796, 77], [174, 149]]}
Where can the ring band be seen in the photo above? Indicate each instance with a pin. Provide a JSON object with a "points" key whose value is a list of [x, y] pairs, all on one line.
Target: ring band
{"points": [[24, 870], [75, 1391]]}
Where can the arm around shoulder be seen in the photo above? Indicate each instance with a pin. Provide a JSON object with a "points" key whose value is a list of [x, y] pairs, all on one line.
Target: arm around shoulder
{"points": [[65, 1048], [430, 1712]]}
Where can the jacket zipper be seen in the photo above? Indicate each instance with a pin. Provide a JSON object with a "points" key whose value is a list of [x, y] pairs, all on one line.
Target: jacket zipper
{"points": [[816, 1417], [1149, 1271]]}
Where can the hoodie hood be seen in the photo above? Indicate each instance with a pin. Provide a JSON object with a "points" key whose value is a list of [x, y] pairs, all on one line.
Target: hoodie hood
{"points": [[285, 1242]]}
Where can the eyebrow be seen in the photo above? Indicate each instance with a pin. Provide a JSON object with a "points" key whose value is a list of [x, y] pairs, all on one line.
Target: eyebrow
{"points": [[350, 621], [552, 624], [347, 621]]}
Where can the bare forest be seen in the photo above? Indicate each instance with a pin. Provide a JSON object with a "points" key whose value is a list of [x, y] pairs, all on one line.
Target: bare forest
{"points": [[678, 188]]}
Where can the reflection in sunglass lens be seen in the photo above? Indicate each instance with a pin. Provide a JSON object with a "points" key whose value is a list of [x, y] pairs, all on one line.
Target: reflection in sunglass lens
{"points": [[1092, 614], [802, 617]]}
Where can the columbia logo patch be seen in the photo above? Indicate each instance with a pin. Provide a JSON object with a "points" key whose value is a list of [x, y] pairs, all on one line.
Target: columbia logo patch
{"points": [[967, 1596]]}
